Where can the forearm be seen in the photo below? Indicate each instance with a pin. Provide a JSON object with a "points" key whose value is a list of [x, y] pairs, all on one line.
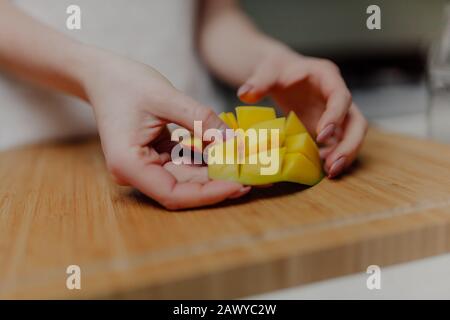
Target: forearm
{"points": [[229, 42], [35, 52]]}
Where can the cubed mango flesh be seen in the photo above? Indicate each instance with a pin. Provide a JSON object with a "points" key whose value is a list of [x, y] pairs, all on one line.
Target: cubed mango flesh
{"points": [[232, 121], [251, 173], [229, 119], [269, 125], [293, 125], [304, 144], [223, 161], [248, 116], [293, 158], [299, 169]]}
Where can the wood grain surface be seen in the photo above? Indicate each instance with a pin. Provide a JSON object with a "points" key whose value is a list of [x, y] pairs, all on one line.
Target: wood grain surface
{"points": [[58, 207]]}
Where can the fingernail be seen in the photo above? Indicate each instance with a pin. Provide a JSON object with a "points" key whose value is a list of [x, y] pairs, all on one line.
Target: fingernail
{"points": [[240, 193], [244, 89], [336, 167], [326, 132]]}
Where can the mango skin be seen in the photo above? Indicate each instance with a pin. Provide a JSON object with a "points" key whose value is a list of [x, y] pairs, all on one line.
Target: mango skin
{"points": [[299, 160]]}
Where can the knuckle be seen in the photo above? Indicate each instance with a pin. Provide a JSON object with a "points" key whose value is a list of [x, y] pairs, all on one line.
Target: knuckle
{"points": [[330, 65], [207, 115], [347, 96]]}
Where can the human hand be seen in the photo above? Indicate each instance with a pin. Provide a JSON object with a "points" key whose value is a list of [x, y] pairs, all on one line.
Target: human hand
{"points": [[315, 90], [132, 104]]}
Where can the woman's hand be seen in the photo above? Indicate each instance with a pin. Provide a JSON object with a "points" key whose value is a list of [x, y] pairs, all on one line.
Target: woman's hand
{"points": [[315, 90], [133, 103]]}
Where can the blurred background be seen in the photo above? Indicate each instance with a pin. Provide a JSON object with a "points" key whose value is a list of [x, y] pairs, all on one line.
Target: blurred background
{"points": [[389, 71]]}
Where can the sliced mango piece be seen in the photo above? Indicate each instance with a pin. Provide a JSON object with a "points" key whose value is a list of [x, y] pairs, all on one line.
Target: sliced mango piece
{"points": [[232, 122], [229, 119], [253, 174], [260, 139], [223, 161], [228, 172], [224, 117], [248, 116], [229, 152], [252, 158], [304, 144], [299, 169], [293, 125], [276, 124]]}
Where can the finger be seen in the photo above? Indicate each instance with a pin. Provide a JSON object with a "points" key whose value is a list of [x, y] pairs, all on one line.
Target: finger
{"points": [[189, 195], [337, 95], [187, 173], [184, 111], [346, 150], [164, 157], [119, 181], [330, 144], [243, 191], [292, 76], [259, 84], [159, 184], [335, 111], [324, 152]]}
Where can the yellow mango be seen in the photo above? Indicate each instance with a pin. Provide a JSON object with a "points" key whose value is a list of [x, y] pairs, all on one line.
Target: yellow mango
{"points": [[248, 156], [229, 152], [304, 144], [257, 140], [224, 172], [299, 169], [224, 117], [232, 122], [248, 116], [229, 119], [293, 125], [223, 163], [277, 124], [251, 174]]}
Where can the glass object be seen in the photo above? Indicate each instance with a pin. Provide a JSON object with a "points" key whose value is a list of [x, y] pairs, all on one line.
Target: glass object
{"points": [[439, 85]]}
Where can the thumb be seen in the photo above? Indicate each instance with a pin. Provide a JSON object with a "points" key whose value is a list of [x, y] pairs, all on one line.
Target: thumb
{"points": [[184, 111], [259, 84]]}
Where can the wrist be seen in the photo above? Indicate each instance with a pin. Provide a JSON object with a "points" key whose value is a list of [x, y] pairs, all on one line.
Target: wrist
{"points": [[84, 62]]}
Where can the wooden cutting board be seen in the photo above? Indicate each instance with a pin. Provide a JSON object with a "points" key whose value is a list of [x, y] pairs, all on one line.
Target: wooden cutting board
{"points": [[58, 207]]}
